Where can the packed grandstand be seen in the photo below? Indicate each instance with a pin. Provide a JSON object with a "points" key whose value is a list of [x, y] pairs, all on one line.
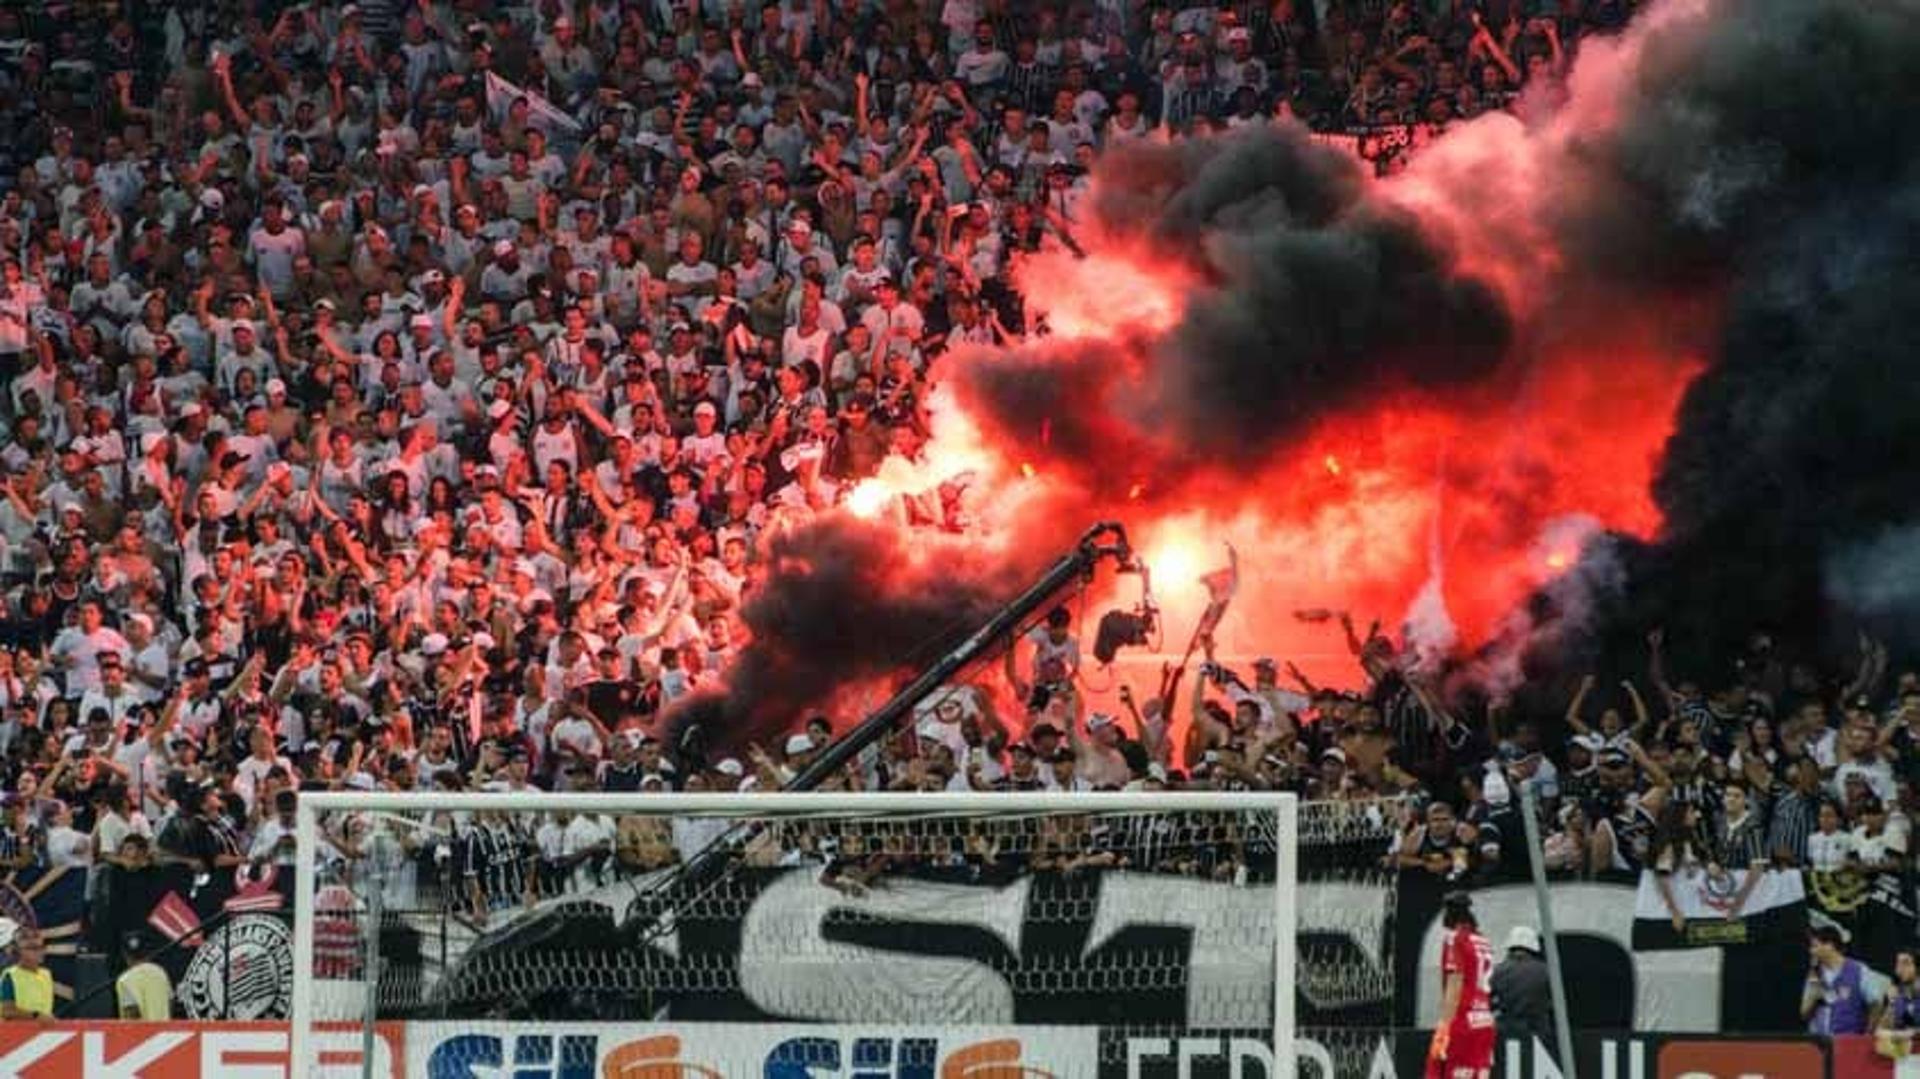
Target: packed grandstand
{"points": [[458, 396]]}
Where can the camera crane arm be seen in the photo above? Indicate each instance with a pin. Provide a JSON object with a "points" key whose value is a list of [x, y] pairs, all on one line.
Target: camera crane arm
{"points": [[1105, 540]]}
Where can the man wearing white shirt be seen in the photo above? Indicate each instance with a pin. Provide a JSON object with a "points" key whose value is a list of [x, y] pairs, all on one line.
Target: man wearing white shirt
{"points": [[985, 63], [575, 735], [587, 839], [894, 323], [261, 760], [113, 696], [78, 648], [273, 840]]}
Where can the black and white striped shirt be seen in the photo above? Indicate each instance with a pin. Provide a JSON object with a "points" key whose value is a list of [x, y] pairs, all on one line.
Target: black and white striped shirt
{"points": [[1794, 817], [493, 855]]}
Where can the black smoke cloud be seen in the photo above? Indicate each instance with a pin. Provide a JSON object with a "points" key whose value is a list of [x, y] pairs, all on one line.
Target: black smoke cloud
{"points": [[1310, 295], [1772, 148], [844, 602]]}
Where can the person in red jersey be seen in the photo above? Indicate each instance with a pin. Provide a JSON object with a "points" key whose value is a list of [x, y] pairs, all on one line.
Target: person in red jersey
{"points": [[1463, 1040]]}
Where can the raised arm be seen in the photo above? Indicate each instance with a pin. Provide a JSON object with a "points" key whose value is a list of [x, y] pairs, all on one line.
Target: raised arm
{"points": [[123, 90], [223, 74], [1662, 782], [1657, 663], [1642, 718], [1494, 50], [1578, 725], [1873, 666], [860, 102]]}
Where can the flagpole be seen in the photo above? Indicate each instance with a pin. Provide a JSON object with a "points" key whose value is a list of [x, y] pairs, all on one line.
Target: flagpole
{"points": [[1209, 618], [1550, 940]]}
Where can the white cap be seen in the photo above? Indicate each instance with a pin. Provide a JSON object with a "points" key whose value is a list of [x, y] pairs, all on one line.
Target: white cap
{"points": [[730, 767], [360, 781], [213, 199], [502, 247], [191, 408], [483, 641], [433, 644], [498, 409], [145, 622], [705, 408], [1523, 937], [799, 743], [421, 321], [274, 386]]}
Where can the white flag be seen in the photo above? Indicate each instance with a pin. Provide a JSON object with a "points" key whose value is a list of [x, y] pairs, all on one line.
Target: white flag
{"points": [[501, 94]]}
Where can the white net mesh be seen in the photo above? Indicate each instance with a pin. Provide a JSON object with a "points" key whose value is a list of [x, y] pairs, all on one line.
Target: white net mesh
{"points": [[760, 938]]}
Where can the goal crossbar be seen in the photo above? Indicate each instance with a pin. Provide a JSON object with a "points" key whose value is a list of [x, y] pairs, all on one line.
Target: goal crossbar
{"points": [[311, 807]]}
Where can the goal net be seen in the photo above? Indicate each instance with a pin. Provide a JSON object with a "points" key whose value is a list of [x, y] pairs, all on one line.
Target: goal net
{"points": [[915, 936]]}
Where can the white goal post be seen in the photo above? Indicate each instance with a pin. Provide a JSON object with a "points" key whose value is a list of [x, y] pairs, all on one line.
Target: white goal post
{"points": [[340, 998]]}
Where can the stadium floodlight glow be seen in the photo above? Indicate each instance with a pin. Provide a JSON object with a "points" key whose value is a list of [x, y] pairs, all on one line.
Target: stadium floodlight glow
{"points": [[488, 932]]}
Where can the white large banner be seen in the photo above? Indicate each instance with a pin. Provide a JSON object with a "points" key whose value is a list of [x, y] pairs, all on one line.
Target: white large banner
{"points": [[1700, 894], [485, 1050]]}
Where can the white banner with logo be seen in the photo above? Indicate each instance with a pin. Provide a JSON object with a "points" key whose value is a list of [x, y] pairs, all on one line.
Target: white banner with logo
{"points": [[468, 1050]]}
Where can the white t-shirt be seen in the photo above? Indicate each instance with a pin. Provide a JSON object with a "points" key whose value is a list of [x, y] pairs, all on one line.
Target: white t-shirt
{"points": [[114, 830], [247, 777], [704, 450], [1829, 852], [1053, 662], [585, 832], [1877, 848], [82, 652], [797, 348], [273, 256], [576, 735]]}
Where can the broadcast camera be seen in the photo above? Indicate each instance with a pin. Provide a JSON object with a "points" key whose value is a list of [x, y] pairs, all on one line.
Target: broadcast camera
{"points": [[1128, 628]]}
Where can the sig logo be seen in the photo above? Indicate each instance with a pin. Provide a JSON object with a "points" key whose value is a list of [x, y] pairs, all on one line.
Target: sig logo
{"points": [[570, 1056], [653, 1058], [997, 1059], [902, 1058]]}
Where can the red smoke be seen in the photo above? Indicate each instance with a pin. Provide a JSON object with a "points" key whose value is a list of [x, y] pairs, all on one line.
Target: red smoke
{"points": [[1359, 514], [1369, 506]]}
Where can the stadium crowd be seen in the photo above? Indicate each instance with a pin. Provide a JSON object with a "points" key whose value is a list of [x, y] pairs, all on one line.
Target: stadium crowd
{"points": [[395, 392]]}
